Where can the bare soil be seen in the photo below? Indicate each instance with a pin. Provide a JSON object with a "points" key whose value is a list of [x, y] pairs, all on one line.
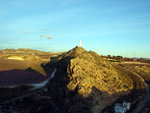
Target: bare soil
{"points": [[17, 77], [16, 72]]}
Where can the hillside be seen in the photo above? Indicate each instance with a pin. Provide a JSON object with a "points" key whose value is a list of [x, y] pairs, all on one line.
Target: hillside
{"points": [[141, 69], [25, 51], [83, 83], [33, 58], [13, 72], [85, 79]]}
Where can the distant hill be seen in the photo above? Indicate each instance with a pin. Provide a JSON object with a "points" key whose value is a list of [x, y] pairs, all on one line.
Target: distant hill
{"points": [[87, 82], [22, 66], [24, 50], [33, 58], [1, 51]]}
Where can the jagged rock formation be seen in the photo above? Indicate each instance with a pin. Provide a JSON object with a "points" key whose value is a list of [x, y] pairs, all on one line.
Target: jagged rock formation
{"points": [[89, 70], [86, 81]]}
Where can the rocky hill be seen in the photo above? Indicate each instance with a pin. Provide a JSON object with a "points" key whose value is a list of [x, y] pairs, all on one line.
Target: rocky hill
{"points": [[85, 82]]}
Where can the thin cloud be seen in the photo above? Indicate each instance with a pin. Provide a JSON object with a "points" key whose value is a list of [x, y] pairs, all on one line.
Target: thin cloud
{"points": [[26, 32], [45, 29], [67, 2], [48, 37]]}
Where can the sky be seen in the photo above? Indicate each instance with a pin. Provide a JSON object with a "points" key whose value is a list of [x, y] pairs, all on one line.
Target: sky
{"points": [[108, 27]]}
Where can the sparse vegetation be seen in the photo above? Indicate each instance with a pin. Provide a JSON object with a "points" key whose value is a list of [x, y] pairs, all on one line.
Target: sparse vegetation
{"points": [[143, 70], [91, 76]]}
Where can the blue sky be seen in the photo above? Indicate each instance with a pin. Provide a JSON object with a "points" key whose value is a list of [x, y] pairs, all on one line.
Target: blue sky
{"points": [[108, 27]]}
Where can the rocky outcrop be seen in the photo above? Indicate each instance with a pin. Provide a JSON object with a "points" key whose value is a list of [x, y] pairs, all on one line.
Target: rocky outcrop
{"points": [[85, 79]]}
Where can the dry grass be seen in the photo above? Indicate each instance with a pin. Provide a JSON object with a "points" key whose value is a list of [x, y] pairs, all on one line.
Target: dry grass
{"points": [[143, 70], [142, 63]]}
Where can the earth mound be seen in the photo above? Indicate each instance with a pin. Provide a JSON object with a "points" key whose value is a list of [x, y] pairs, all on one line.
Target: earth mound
{"points": [[33, 58], [86, 81]]}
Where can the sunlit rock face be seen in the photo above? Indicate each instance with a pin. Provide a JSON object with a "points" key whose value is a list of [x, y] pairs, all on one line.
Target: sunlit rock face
{"points": [[95, 78], [88, 80]]}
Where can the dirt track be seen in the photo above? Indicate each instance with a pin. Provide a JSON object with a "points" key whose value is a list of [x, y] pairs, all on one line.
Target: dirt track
{"points": [[127, 62]]}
